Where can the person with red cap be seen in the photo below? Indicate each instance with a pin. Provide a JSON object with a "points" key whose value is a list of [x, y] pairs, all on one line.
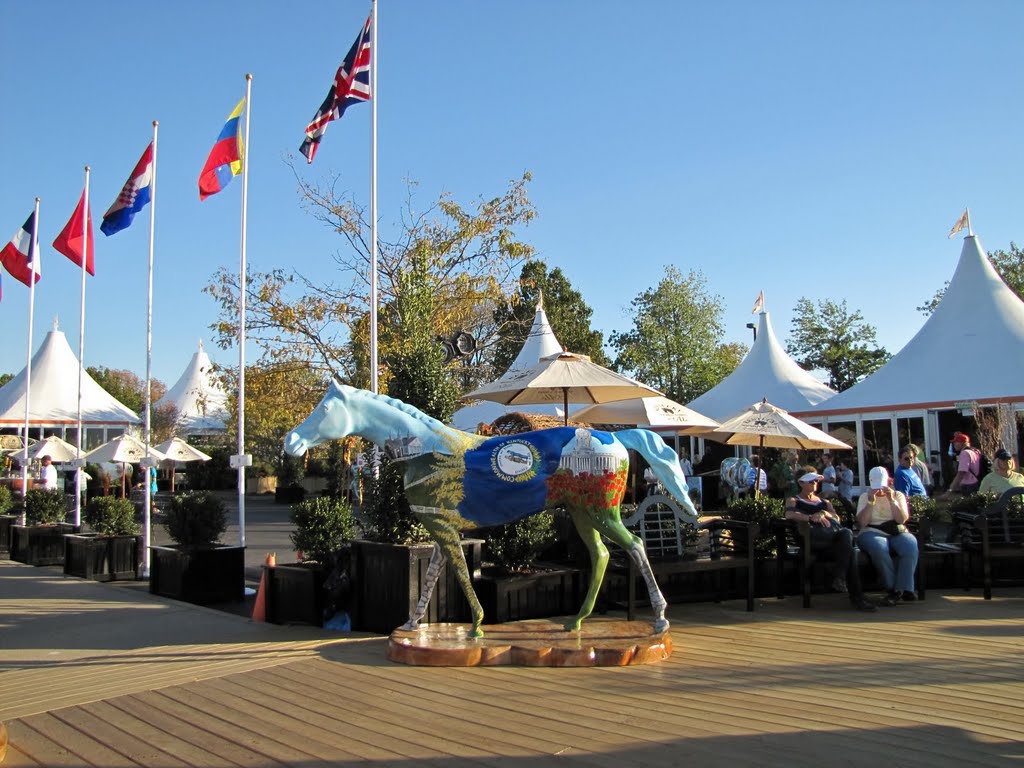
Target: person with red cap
{"points": [[968, 465]]}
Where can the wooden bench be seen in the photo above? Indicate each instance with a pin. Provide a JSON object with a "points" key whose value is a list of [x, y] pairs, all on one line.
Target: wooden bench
{"points": [[793, 542], [671, 544], [996, 533]]}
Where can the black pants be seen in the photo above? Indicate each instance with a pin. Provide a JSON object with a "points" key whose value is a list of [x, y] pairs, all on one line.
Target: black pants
{"points": [[839, 542]]}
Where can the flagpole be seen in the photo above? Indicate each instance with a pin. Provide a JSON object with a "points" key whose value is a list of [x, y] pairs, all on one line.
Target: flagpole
{"points": [[970, 231], [374, 56], [147, 515], [241, 458], [81, 344], [34, 258]]}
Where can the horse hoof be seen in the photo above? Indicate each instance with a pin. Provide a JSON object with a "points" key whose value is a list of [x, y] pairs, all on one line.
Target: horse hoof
{"points": [[410, 626], [661, 625], [476, 633], [573, 626]]}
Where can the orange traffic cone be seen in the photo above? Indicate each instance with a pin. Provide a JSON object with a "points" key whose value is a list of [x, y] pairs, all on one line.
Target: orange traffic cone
{"points": [[259, 610]]}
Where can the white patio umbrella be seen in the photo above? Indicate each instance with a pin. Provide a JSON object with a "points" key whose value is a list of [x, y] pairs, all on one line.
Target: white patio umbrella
{"points": [[58, 450], [565, 377], [177, 450], [124, 449], [657, 413]]}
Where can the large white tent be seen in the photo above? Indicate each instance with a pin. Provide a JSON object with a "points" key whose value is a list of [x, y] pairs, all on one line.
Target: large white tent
{"points": [[767, 372], [540, 342], [53, 405], [201, 402], [969, 350]]}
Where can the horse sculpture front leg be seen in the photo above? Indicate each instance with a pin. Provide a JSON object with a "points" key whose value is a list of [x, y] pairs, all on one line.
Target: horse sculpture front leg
{"points": [[437, 559], [448, 544]]}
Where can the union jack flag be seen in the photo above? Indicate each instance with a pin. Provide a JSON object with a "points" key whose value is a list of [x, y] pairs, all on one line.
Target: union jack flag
{"points": [[351, 85]]}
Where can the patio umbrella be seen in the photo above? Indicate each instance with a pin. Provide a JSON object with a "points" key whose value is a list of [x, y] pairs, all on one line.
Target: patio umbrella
{"points": [[58, 450], [765, 425], [657, 413], [564, 377], [124, 449], [176, 450]]}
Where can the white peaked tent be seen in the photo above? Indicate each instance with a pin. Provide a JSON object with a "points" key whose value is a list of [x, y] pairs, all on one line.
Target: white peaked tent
{"points": [[540, 342], [54, 396], [201, 402], [767, 372], [970, 349]]}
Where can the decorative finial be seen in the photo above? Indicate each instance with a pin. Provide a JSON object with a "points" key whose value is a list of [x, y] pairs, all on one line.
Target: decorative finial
{"points": [[540, 299], [56, 325]]}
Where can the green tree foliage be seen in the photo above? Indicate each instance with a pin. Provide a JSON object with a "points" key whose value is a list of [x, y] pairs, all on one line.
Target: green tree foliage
{"points": [[130, 390], [831, 338], [386, 509], [322, 527], [675, 344], [196, 518], [111, 516], [567, 312], [5, 377], [1009, 265], [44, 506], [516, 546]]}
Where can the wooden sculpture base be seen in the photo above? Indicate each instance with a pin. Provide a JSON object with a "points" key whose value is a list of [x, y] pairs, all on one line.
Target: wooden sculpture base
{"points": [[536, 643]]}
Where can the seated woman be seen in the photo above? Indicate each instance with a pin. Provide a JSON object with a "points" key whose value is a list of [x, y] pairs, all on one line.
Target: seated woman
{"points": [[881, 515], [828, 534]]}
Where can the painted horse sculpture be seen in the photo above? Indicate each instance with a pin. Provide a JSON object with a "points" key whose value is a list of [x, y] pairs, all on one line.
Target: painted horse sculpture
{"points": [[456, 481]]}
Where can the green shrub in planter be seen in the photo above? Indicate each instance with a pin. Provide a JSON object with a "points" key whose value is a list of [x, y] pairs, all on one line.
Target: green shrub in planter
{"points": [[762, 510], [925, 508], [44, 506], [196, 519], [515, 547], [973, 503], [386, 508], [111, 516], [322, 527], [6, 499]]}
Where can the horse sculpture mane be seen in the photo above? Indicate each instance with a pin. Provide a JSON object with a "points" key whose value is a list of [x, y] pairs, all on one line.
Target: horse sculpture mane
{"points": [[456, 481]]}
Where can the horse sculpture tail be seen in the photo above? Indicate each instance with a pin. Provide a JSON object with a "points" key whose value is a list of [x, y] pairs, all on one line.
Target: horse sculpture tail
{"points": [[664, 462]]}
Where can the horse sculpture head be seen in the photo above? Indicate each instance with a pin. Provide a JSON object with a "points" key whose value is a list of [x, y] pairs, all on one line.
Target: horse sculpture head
{"points": [[330, 420]]}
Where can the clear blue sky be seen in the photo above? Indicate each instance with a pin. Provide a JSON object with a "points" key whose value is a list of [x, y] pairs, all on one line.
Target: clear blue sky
{"points": [[819, 149]]}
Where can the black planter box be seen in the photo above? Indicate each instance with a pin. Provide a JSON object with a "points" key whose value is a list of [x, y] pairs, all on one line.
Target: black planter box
{"points": [[102, 558], [386, 583], [291, 494], [6, 523], [548, 592], [202, 576], [294, 593], [40, 544]]}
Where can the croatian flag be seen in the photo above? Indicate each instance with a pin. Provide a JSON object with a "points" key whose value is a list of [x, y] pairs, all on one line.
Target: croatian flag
{"points": [[225, 160], [18, 257], [135, 195], [351, 85]]}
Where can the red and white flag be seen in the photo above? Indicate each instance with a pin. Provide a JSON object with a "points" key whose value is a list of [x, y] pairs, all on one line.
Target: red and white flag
{"points": [[19, 256], [69, 241], [758, 304]]}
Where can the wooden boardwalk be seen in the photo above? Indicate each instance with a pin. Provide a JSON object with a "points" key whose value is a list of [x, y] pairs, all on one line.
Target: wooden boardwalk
{"points": [[935, 683]]}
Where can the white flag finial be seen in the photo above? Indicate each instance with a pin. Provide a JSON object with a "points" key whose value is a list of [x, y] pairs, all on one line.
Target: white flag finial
{"points": [[759, 304], [964, 222]]}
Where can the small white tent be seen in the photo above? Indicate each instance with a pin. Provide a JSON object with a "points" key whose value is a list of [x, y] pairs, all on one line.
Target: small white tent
{"points": [[53, 404], [766, 372], [540, 342], [198, 397]]}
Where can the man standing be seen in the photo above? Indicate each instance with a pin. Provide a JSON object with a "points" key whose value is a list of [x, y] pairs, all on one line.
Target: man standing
{"points": [[906, 480], [48, 480], [828, 473], [968, 465]]}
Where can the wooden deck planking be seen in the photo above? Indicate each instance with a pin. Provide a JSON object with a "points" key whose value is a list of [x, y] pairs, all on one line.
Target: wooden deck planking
{"points": [[783, 685]]}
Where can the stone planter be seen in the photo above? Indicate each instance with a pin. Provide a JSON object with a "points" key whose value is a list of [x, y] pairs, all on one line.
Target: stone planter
{"points": [[6, 523], [102, 558], [547, 592], [205, 575], [387, 579], [294, 593], [40, 544]]}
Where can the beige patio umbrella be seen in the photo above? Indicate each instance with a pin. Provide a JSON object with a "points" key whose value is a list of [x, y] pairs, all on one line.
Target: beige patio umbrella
{"points": [[176, 450], [565, 377], [765, 425], [124, 449], [58, 450], [657, 413]]}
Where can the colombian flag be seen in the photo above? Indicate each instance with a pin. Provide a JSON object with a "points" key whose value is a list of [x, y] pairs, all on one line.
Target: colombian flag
{"points": [[225, 160]]}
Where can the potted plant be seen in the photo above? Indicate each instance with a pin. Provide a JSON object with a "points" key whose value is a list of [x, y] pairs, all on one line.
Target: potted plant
{"points": [[296, 592], [762, 510], [6, 521], [289, 490], [389, 566], [113, 550], [41, 540], [513, 585], [197, 568]]}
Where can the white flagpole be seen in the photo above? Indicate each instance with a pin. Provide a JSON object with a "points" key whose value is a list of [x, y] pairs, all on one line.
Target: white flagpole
{"points": [[147, 515], [374, 93], [242, 458], [970, 231], [34, 256], [81, 344]]}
